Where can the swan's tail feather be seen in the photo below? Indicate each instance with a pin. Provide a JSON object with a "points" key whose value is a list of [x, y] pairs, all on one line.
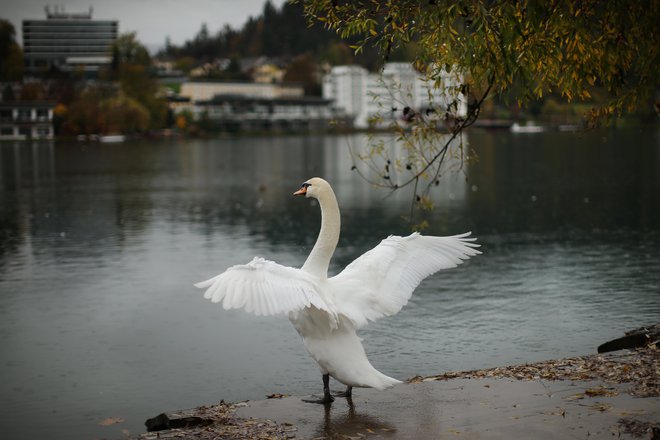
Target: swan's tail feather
{"points": [[385, 382]]}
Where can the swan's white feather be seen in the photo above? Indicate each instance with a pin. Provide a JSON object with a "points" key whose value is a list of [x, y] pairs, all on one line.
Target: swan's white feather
{"points": [[381, 281], [326, 312], [264, 287]]}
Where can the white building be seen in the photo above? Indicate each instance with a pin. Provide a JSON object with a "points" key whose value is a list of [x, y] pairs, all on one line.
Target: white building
{"points": [[380, 99], [22, 120], [347, 86], [206, 90], [242, 113]]}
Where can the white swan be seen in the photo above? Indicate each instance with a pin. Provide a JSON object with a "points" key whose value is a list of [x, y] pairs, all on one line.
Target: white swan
{"points": [[327, 311]]}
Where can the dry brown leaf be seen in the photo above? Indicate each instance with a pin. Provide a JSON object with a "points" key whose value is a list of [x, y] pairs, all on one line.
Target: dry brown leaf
{"points": [[111, 421], [600, 391], [602, 407]]}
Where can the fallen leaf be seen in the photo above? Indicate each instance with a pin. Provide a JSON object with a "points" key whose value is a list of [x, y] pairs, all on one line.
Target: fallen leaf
{"points": [[602, 407], [600, 391], [111, 421]]}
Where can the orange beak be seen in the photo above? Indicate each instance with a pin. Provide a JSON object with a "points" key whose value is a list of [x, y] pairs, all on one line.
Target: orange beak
{"points": [[301, 192]]}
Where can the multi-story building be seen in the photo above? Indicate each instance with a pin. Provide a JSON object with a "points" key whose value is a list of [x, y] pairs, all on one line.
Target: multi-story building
{"points": [[346, 85], [244, 113], [68, 42], [380, 99], [20, 120], [206, 90]]}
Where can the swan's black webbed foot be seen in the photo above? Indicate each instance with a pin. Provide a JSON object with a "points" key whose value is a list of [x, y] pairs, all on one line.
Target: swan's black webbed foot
{"points": [[327, 397], [348, 393]]}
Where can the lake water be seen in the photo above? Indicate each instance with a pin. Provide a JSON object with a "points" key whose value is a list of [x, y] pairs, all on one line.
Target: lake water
{"points": [[100, 246]]}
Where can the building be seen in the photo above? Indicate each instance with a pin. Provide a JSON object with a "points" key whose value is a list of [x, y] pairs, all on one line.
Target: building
{"points": [[244, 113], [347, 86], [249, 106], [206, 90], [68, 42], [379, 99], [268, 74], [22, 120]]}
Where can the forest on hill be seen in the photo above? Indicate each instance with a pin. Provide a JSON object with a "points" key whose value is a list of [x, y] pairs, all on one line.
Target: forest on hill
{"points": [[278, 33]]}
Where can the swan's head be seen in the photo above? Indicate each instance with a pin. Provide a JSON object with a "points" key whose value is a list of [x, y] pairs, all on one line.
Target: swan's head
{"points": [[313, 187]]}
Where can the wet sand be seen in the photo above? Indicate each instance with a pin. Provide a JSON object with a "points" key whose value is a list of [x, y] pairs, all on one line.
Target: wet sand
{"points": [[468, 409], [598, 396]]}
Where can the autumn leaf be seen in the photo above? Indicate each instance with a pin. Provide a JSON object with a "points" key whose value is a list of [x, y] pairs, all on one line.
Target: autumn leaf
{"points": [[111, 421]]}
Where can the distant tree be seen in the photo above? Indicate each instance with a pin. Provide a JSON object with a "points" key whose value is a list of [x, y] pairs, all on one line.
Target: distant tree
{"points": [[271, 30], [250, 41], [203, 34], [338, 53], [132, 68], [11, 55], [233, 71], [184, 64], [8, 93], [570, 48], [184, 120], [101, 110], [84, 116], [33, 91], [128, 50], [277, 32], [121, 114], [304, 70], [63, 90], [137, 83]]}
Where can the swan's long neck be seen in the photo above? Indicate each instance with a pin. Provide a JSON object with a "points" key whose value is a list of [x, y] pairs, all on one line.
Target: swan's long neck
{"points": [[319, 259]]}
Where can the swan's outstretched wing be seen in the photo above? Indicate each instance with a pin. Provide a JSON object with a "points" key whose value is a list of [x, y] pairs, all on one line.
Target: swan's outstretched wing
{"points": [[380, 282], [264, 287]]}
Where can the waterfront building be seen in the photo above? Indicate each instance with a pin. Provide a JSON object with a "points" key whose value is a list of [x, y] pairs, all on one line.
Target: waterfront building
{"points": [[68, 42], [206, 90], [244, 113], [379, 99], [249, 106], [347, 86], [268, 73], [21, 120]]}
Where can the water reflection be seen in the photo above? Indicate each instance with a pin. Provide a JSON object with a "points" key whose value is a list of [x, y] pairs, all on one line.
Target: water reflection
{"points": [[348, 423], [100, 244]]}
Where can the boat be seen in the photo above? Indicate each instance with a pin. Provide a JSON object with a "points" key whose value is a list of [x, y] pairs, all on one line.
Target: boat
{"points": [[530, 127], [112, 138]]}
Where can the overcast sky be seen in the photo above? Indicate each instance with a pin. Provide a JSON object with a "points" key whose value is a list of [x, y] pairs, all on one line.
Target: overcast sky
{"points": [[153, 20]]}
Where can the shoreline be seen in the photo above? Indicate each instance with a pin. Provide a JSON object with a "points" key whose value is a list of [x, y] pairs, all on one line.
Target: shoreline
{"points": [[586, 396]]}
